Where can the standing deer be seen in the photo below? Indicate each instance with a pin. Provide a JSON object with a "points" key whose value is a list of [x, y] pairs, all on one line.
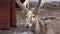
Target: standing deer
{"points": [[33, 22]]}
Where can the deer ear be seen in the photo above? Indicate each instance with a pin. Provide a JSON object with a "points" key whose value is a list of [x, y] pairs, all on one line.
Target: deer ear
{"points": [[25, 10], [38, 6], [35, 12], [22, 6]]}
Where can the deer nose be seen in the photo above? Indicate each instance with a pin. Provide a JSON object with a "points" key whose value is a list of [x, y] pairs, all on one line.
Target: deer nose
{"points": [[27, 26]]}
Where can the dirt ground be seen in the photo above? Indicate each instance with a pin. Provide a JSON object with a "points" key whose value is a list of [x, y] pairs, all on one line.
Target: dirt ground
{"points": [[52, 28]]}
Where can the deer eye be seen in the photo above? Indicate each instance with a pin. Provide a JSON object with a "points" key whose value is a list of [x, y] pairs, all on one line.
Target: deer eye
{"points": [[33, 16], [26, 16]]}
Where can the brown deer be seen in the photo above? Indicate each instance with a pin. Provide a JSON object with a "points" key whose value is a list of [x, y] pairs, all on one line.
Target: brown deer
{"points": [[33, 22]]}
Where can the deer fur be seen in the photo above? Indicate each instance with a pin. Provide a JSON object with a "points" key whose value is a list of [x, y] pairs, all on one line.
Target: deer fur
{"points": [[32, 20]]}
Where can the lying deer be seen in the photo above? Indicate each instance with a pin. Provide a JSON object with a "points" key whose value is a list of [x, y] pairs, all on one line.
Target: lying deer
{"points": [[33, 22]]}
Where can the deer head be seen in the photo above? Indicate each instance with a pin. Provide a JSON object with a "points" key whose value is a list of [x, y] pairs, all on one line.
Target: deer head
{"points": [[30, 15]]}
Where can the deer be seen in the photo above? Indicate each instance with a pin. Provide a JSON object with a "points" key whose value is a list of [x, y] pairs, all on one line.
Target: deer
{"points": [[33, 22]]}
